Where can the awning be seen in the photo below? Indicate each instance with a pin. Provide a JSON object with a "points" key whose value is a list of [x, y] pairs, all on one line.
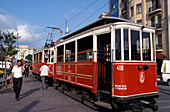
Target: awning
{"points": [[159, 56]]}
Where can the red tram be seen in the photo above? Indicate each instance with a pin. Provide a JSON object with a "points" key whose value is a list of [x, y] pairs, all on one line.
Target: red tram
{"points": [[111, 61]]}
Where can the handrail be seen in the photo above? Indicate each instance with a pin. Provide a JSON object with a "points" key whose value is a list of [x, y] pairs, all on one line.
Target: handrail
{"points": [[70, 54]]}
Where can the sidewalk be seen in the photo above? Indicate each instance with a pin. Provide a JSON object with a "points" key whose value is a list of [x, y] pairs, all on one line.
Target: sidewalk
{"points": [[34, 99]]}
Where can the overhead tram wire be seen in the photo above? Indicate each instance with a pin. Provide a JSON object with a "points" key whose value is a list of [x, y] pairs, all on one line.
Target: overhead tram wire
{"points": [[79, 12], [72, 18], [89, 16]]}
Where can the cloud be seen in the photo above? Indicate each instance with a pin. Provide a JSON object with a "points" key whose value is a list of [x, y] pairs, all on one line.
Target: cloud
{"points": [[26, 31]]}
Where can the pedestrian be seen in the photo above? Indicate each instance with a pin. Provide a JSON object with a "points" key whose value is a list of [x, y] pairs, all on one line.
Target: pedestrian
{"points": [[44, 73], [16, 78], [27, 68]]}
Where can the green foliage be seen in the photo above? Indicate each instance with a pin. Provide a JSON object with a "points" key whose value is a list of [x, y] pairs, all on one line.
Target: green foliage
{"points": [[29, 57], [12, 52], [6, 43]]}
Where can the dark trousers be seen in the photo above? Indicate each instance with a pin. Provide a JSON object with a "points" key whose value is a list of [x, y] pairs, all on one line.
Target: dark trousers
{"points": [[26, 73], [17, 83], [43, 83]]}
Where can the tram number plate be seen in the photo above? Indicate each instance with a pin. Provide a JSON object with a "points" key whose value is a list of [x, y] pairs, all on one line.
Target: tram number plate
{"points": [[120, 67]]}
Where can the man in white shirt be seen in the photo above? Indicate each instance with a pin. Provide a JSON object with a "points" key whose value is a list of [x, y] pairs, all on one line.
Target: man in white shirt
{"points": [[44, 72], [16, 77]]}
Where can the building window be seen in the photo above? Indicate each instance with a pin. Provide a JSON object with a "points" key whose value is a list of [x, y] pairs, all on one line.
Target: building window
{"points": [[139, 21], [156, 4], [160, 41], [132, 11], [139, 8], [125, 5], [153, 21], [159, 21]]}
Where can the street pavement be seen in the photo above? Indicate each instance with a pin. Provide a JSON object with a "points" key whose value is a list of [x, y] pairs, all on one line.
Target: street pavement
{"points": [[164, 97], [34, 99]]}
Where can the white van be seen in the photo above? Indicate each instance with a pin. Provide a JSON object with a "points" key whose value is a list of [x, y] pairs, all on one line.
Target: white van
{"points": [[7, 64], [165, 70]]}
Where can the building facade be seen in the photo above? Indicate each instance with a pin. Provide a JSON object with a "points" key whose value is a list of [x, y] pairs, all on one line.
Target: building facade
{"points": [[151, 13], [169, 23], [23, 51]]}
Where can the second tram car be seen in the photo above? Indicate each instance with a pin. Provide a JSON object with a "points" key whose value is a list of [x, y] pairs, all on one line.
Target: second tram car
{"points": [[111, 61]]}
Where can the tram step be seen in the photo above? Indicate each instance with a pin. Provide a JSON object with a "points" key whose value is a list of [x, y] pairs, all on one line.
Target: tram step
{"points": [[103, 104]]}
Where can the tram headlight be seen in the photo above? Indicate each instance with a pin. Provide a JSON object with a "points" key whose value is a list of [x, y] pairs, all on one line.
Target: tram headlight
{"points": [[139, 68], [145, 67]]}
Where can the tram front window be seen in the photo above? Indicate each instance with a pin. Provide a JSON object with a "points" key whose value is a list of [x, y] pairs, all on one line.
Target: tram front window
{"points": [[135, 45], [126, 45], [118, 44], [146, 49]]}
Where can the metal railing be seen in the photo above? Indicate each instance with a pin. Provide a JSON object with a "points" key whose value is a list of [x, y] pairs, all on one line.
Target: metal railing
{"points": [[154, 7], [158, 25], [124, 10]]}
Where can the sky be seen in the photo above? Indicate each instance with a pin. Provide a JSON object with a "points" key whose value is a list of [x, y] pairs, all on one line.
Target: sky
{"points": [[30, 17]]}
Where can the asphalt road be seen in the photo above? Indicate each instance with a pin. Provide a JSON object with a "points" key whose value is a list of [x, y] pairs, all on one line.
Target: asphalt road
{"points": [[164, 97], [34, 99]]}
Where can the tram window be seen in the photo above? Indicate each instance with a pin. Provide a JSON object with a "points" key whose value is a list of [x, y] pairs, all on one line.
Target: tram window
{"points": [[45, 55], [135, 45], [70, 52], [85, 49], [52, 56], [34, 57], [154, 46], [126, 45], [49, 59], [118, 44], [37, 58], [146, 49], [40, 60], [60, 53]]}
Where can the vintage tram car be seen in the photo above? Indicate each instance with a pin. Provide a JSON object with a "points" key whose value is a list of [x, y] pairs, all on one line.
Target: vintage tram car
{"points": [[109, 62]]}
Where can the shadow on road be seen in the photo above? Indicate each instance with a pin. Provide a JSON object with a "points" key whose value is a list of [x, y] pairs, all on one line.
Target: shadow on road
{"points": [[29, 107], [161, 83], [165, 91], [29, 92], [6, 91]]}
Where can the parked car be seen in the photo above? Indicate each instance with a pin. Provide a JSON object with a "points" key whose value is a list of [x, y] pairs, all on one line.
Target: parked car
{"points": [[7, 65], [165, 70]]}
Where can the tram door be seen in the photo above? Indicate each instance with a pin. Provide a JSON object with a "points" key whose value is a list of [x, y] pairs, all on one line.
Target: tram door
{"points": [[104, 63]]}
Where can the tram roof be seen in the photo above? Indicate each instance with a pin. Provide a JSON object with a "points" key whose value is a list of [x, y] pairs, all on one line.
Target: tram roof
{"points": [[102, 21]]}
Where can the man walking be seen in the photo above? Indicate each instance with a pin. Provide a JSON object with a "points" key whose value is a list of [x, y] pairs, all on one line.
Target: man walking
{"points": [[16, 77], [44, 72], [27, 68]]}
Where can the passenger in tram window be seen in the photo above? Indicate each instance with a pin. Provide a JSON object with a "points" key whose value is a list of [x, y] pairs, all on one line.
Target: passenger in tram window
{"points": [[44, 73]]}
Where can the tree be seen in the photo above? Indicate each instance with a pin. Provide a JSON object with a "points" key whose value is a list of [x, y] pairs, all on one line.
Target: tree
{"points": [[29, 57], [12, 52], [7, 41]]}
